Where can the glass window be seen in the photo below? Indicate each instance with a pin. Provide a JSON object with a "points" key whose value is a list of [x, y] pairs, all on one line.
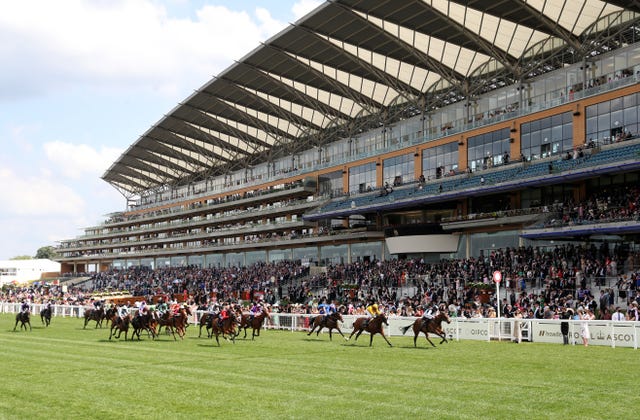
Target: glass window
{"points": [[362, 178], [398, 170], [440, 160], [548, 136]]}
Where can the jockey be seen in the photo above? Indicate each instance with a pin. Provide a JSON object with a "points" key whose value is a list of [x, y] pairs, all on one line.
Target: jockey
{"points": [[332, 308], [372, 311], [161, 306], [24, 308], [224, 314], [123, 312], [429, 314], [329, 308], [175, 308], [256, 309], [214, 309], [97, 304], [142, 310]]}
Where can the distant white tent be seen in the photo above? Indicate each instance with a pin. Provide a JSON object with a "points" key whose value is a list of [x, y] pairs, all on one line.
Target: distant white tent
{"points": [[21, 271]]}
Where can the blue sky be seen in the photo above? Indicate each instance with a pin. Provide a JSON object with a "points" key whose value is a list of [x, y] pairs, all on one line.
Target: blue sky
{"points": [[80, 81]]}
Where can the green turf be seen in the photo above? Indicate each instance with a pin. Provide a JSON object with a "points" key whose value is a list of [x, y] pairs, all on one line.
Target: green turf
{"points": [[66, 372]]}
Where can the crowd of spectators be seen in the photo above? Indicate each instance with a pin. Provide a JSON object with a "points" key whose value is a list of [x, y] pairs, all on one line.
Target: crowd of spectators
{"points": [[607, 205], [537, 283]]}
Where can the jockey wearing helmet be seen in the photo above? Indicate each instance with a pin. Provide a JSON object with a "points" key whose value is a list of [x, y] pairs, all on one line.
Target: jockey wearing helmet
{"points": [[24, 308], [372, 311], [161, 306], [429, 313], [256, 309], [123, 312], [142, 310]]}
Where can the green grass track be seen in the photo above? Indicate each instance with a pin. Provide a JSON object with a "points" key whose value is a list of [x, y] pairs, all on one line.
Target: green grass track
{"points": [[66, 372]]}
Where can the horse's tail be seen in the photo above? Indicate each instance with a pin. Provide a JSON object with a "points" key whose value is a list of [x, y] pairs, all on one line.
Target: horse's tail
{"points": [[404, 329]]}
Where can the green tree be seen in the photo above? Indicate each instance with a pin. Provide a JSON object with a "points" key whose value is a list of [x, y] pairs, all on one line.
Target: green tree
{"points": [[22, 257], [46, 252]]}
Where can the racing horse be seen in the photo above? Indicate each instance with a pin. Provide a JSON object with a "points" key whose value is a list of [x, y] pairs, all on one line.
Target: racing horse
{"points": [[225, 327], [24, 318], [175, 322], [146, 322], [109, 313], [45, 315], [205, 321], [255, 324], [433, 326], [371, 325], [329, 321], [120, 324], [92, 314], [181, 320]]}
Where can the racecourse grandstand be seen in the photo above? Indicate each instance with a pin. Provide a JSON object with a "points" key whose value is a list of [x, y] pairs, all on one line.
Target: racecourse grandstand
{"points": [[379, 130]]}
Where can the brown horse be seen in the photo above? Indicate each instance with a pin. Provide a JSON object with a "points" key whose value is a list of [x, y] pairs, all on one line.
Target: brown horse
{"points": [[45, 316], [120, 324], [371, 325], [255, 323], [206, 321], [182, 320], [329, 321], [175, 323], [225, 327], [109, 313], [145, 322], [97, 315], [24, 318], [167, 322], [433, 326]]}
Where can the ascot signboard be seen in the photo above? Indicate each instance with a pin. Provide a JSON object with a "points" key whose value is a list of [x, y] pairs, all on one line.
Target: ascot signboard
{"points": [[618, 334]]}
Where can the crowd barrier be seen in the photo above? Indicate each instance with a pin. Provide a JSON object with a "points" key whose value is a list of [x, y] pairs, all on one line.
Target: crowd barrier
{"points": [[603, 333]]}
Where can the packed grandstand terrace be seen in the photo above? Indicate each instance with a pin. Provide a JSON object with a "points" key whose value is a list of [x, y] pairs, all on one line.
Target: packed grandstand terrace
{"points": [[537, 283]]}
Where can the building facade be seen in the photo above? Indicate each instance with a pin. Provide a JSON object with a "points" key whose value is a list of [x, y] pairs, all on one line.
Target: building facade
{"points": [[367, 132]]}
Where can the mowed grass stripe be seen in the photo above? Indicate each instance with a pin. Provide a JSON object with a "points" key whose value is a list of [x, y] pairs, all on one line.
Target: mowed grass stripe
{"points": [[66, 372]]}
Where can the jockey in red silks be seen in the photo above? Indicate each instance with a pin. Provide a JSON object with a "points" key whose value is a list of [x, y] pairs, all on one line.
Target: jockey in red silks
{"points": [[224, 314]]}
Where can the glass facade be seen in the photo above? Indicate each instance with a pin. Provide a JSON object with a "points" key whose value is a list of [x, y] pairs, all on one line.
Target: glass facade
{"points": [[366, 251], [547, 136], [439, 160], [147, 262], [398, 170], [195, 260], [306, 255], [362, 178], [333, 254], [487, 150], [179, 261], [609, 120], [213, 260], [252, 257], [163, 262], [235, 259], [330, 184], [276, 255]]}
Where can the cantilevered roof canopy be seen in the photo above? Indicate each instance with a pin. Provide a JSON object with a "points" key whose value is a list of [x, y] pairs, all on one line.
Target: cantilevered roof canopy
{"points": [[350, 61]]}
